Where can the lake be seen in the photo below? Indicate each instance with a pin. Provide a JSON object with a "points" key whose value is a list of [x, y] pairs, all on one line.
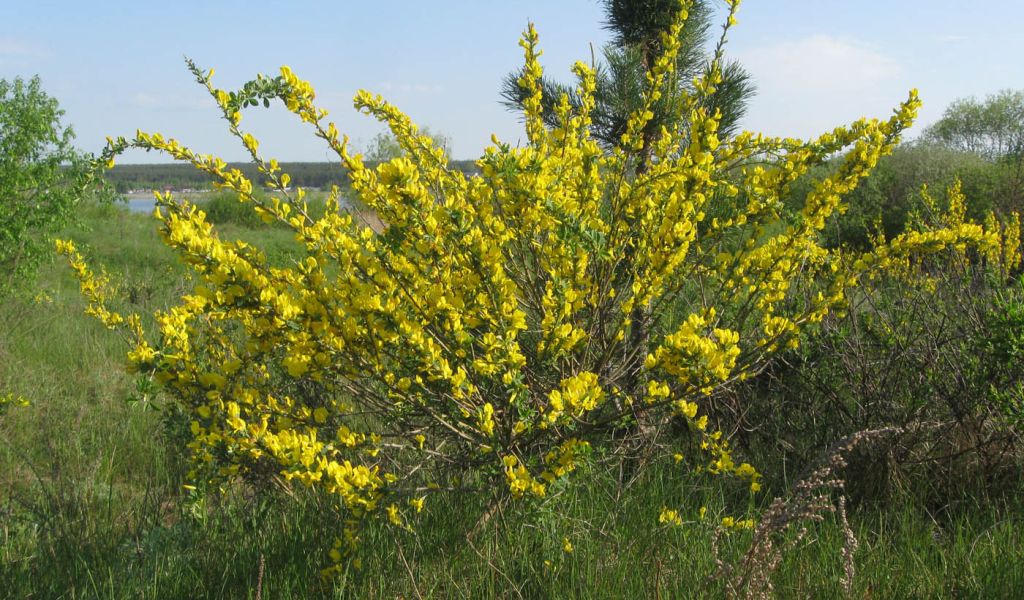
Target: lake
{"points": [[143, 202]]}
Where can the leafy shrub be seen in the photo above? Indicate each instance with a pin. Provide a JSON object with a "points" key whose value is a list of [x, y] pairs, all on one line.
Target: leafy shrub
{"points": [[933, 355], [223, 207], [42, 176], [496, 329], [888, 197], [1003, 351]]}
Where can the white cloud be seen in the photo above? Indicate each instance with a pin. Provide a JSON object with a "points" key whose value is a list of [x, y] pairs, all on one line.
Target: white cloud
{"points": [[819, 62], [16, 52], [808, 86]]}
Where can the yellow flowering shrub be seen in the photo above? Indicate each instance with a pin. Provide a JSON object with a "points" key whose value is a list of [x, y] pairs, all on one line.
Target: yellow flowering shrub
{"points": [[485, 334]]}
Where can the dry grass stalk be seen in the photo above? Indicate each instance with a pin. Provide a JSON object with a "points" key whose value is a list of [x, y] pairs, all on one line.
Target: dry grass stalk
{"points": [[808, 502]]}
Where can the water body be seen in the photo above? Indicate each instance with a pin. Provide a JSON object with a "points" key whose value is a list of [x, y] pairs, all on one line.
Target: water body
{"points": [[143, 202], [141, 205]]}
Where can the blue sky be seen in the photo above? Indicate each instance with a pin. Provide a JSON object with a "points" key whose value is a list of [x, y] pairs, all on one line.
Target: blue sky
{"points": [[118, 66]]}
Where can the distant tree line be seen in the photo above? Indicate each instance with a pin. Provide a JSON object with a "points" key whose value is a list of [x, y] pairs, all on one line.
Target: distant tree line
{"points": [[179, 176]]}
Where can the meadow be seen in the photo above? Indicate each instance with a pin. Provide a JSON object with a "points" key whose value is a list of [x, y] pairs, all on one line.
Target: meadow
{"points": [[93, 503]]}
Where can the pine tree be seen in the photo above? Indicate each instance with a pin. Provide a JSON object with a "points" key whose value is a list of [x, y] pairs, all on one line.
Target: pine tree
{"points": [[636, 27]]}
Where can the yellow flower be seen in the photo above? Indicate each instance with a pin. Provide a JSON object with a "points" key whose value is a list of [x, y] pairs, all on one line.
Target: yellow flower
{"points": [[669, 517], [393, 515]]}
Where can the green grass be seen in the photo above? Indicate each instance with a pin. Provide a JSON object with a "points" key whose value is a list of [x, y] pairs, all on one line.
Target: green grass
{"points": [[92, 504]]}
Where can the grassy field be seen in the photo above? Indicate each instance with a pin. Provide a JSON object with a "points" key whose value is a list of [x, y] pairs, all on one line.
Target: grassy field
{"points": [[92, 503]]}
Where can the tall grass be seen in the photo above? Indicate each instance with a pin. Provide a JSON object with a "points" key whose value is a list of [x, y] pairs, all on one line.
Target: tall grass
{"points": [[92, 503]]}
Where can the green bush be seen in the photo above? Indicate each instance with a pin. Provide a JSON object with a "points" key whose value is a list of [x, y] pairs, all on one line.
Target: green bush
{"points": [[223, 208], [42, 176], [939, 359], [887, 198]]}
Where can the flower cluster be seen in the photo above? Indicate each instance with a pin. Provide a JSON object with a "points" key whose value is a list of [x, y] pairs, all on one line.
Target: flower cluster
{"points": [[12, 399]]}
